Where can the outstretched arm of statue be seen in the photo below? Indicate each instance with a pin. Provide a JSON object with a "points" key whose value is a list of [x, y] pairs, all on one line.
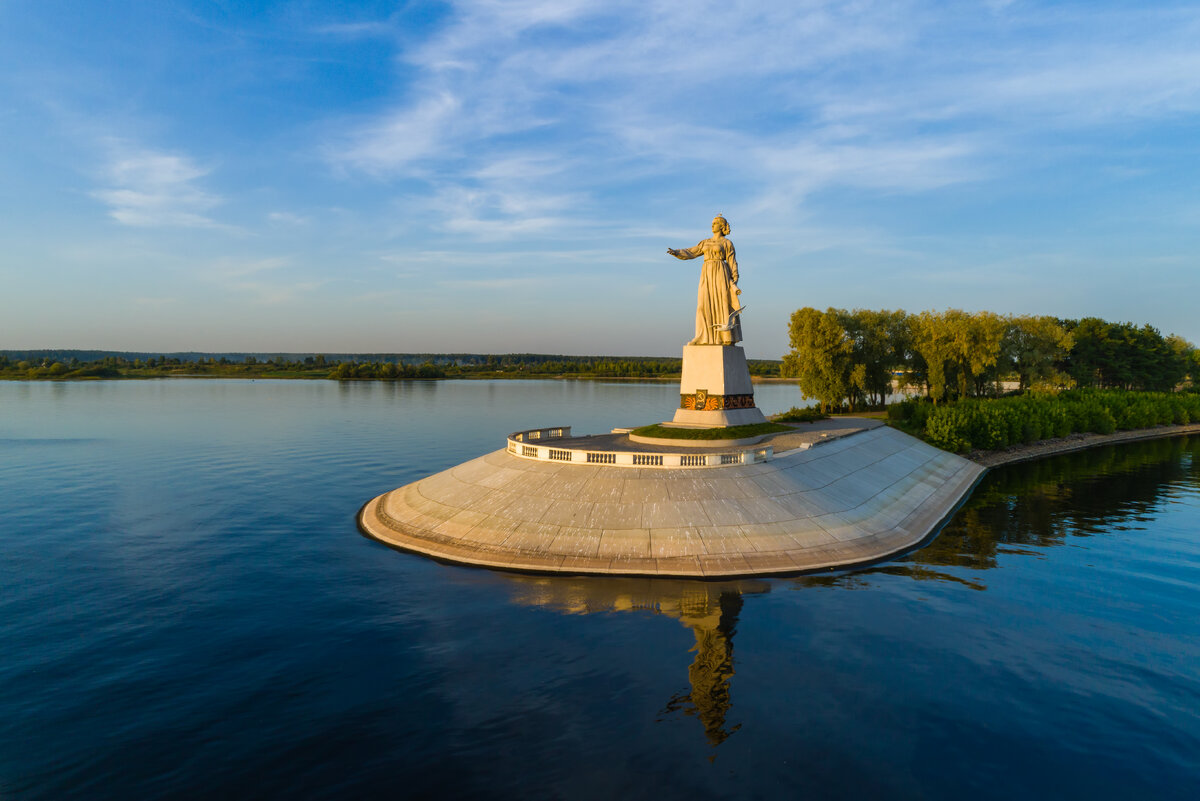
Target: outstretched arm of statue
{"points": [[686, 253]]}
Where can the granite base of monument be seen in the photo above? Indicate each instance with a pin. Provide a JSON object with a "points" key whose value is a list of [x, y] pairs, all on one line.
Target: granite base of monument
{"points": [[715, 388]]}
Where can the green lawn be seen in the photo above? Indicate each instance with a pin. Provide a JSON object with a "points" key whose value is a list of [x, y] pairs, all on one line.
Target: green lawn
{"points": [[729, 432]]}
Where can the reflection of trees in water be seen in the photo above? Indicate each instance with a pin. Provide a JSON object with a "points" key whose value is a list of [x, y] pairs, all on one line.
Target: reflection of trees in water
{"points": [[1042, 503], [710, 610]]}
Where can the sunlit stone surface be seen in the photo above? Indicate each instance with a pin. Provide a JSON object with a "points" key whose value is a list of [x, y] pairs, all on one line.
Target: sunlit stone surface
{"points": [[857, 499]]}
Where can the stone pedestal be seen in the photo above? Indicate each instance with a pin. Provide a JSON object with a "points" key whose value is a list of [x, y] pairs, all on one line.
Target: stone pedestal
{"points": [[715, 388]]}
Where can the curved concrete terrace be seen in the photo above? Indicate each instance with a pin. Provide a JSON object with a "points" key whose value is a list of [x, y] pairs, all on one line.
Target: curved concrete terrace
{"points": [[622, 448], [867, 495], [803, 435]]}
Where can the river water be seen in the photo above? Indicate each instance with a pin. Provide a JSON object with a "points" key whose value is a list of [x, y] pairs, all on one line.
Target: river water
{"points": [[188, 611]]}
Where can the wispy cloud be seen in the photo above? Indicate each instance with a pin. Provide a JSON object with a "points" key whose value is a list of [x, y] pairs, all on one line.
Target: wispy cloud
{"points": [[274, 293], [492, 283], [287, 218], [357, 30], [557, 102], [494, 211], [226, 269], [149, 188], [396, 140], [271, 280]]}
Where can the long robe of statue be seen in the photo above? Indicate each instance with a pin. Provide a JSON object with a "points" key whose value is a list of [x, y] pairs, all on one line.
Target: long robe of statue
{"points": [[717, 298]]}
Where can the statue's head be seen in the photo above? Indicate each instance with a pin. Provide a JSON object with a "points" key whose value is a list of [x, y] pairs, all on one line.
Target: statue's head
{"points": [[720, 225]]}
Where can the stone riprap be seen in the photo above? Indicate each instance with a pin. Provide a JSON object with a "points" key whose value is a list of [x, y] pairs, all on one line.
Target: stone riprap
{"points": [[856, 499]]}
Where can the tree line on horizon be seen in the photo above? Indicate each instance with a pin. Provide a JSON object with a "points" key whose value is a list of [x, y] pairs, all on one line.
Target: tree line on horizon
{"points": [[856, 359], [531, 364], [378, 367]]}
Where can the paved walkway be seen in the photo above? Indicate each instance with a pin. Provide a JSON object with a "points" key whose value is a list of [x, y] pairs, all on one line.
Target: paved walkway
{"points": [[804, 434], [1077, 442], [862, 497]]}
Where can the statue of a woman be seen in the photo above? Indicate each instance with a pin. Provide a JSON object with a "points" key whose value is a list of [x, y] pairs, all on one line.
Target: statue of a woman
{"points": [[717, 298]]}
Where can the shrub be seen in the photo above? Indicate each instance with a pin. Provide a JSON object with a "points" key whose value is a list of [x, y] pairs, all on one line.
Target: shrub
{"points": [[900, 412], [809, 414], [997, 423]]}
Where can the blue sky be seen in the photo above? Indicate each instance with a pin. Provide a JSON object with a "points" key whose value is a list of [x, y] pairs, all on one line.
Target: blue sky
{"points": [[506, 176]]}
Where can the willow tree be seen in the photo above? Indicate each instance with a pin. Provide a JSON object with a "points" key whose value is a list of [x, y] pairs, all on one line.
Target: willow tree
{"points": [[935, 343], [981, 344], [821, 357], [1036, 348], [881, 342], [1193, 365], [959, 348]]}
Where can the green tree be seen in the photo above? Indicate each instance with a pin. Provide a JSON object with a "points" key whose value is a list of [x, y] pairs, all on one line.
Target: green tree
{"points": [[881, 341], [1124, 356], [936, 345], [1036, 348], [979, 353], [821, 359], [961, 349], [1179, 360]]}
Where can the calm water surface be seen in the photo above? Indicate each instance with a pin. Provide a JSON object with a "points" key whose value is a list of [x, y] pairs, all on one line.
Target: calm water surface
{"points": [[187, 611]]}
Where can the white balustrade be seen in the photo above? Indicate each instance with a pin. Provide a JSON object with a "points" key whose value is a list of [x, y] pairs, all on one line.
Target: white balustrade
{"points": [[518, 445]]}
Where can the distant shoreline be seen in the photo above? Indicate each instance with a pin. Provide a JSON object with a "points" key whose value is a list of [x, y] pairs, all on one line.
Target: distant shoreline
{"points": [[515, 376]]}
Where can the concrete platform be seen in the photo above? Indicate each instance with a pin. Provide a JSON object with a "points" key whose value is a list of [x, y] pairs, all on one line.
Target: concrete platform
{"points": [[802, 435], [859, 498]]}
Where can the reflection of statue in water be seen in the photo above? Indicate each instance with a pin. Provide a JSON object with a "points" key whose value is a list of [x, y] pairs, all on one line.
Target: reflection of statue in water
{"points": [[709, 610], [711, 670], [717, 304]]}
